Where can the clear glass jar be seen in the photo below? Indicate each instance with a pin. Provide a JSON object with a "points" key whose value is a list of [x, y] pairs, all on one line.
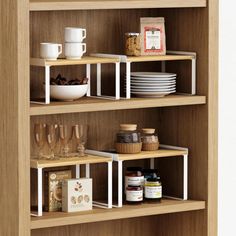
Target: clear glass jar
{"points": [[132, 44], [149, 139], [153, 190], [128, 134]]}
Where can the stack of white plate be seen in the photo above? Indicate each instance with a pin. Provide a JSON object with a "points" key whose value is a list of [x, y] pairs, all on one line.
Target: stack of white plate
{"points": [[152, 84]]}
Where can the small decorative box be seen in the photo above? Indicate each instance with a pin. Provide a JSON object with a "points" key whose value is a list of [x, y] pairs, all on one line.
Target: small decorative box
{"points": [[77, 195]]}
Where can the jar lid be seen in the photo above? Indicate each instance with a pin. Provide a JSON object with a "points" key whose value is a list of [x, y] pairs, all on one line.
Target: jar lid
{"points": [[128, 127], [157, 179], [134, 169], [132, 34], [148, 131]]}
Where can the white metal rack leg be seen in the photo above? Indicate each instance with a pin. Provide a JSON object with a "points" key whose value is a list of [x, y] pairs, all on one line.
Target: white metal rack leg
{"points": [[109, 194], [99, 72], [77, 171], [117, 83], [40, 192], [88, 75], [185, 172], [128, 78], [87, 170]]}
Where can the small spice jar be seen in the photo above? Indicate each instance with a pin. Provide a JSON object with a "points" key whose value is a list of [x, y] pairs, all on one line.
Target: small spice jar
{"points": [[134, 176], [153, 190], [132, 44], [149, 139], [128, 139], [134, 194]]}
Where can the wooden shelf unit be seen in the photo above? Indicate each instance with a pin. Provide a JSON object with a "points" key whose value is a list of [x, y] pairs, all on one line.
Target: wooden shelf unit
{"points": [[96, 104], [52, 5], [188, 121], [128, 211]]}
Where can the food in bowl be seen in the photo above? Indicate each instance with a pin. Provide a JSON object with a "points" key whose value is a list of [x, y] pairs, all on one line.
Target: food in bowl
{"points": [[68, 90]]}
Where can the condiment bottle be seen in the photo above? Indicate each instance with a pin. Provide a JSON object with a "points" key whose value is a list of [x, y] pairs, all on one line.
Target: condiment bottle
{"points": [[149, 139], [153, 190], [134, 176], [134, 194]]}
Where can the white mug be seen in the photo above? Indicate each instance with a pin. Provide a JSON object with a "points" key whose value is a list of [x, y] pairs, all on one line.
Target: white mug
{"points": [[74, 35], [50, 51], [74, 51]]}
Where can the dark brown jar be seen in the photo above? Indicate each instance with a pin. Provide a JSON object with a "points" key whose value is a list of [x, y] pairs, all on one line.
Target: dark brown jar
{"points": [[134, 176], [134, 194]]}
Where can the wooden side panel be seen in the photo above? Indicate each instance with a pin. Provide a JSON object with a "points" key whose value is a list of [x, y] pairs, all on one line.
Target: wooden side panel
{"points": [[14, 118], [213, 116]]}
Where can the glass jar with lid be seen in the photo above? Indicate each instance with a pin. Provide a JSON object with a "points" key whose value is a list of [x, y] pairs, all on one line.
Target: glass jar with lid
{"points": [[134, 194], [149, 139], [134, 176], [153, 190], [128, 139]]}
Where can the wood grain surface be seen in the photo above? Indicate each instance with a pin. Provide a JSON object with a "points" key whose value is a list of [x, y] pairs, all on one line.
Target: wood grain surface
{"points": [[14, 118]]}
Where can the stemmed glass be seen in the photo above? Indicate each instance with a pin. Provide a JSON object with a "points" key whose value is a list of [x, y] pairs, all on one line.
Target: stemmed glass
{"points": [[40, 139], [52, 139], [79, 133], [65, 137]]}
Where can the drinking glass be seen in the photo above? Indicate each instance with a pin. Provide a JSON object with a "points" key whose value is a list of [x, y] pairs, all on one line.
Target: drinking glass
{"points": [[79, 133], [65, 134], [40, 138], [52, 139]]}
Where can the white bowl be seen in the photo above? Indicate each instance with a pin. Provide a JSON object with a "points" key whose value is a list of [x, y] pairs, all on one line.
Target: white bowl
{"points": [[68, 92]]}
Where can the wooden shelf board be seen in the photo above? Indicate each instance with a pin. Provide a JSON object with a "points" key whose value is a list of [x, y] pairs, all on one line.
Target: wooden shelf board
{"points": [[95, 104], [64, 62], [127, 211], [51, 5], [89, 159], [151, 154], [160, 58]]}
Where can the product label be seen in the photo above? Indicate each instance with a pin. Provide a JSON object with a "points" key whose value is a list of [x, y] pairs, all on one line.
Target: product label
{"points": [[134, 196], [153, 192], [152, 39], [134, 181]]}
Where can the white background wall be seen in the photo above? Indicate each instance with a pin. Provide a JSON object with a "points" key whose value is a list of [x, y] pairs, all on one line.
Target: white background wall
{"points": [[227, 119]]}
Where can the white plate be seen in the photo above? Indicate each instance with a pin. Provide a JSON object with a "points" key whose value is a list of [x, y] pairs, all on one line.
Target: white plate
{"points": [[152, 87], [150, 95], [153, 90], [153, 79], [146, 83], [153, 74]]}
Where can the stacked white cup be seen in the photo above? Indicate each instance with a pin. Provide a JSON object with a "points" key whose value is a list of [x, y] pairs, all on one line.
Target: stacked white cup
{"points": [[74, 46]]}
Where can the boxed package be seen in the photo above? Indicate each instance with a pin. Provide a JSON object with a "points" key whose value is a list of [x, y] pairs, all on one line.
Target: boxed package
{"points": [[77, 195], [53, 189], [153, 37]]}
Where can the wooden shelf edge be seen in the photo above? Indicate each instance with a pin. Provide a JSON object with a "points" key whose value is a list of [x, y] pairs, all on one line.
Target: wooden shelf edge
{"points": [[95, 104], [89, 159], [96, 215], [47, 5]]}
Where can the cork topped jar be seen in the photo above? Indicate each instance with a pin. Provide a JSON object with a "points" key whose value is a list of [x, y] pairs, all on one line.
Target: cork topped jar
{"points": [[149, 139], [128, 139]]}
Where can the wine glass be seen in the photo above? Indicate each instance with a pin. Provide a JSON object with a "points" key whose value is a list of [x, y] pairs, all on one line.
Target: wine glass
{"points": [[65, 137], [52, 139], [79, 133], [40, 139]]}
